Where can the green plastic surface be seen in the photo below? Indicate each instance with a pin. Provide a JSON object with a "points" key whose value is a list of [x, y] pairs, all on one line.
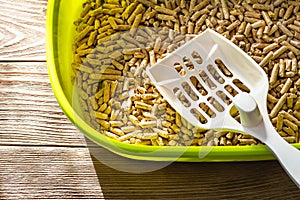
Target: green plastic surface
{"points": [[60, 32]]}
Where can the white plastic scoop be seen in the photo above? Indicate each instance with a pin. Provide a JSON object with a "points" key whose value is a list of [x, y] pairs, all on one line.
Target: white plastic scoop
{"points": [[206, 79]]}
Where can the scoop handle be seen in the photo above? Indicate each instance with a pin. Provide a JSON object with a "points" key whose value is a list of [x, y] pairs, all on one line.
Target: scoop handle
{"points": [[258, 124], [287, 155]]}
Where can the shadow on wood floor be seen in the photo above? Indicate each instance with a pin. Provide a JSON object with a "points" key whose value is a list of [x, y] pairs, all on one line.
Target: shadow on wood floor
{"points": [[235, 180]]}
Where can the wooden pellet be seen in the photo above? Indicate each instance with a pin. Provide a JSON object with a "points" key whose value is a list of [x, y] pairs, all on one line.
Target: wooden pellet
{"points": [[290, 139], [116, 131], [286, 86], [290, 124], [290, 118], [279, 124], [127, 136], [261, 6], [284, 29], [146, 136], [269, 48], [295, 50], [138, 10], [225, 9], [111, 135], [100, 115], [278, 105], [118, 94], [266, 59], [279, 52]]}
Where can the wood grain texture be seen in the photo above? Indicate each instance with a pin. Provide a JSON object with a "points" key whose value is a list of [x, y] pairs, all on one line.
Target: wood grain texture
{"points": [[42, 154], [22, 29], [29, 112], [201, 181], [47, 173]]}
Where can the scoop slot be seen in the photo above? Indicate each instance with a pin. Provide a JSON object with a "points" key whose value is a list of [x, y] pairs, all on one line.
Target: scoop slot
{"points": [[195, 82], [199, 116], [197, 57], [215, 104], [207, 110], [222, 67], [188, 63], [181, 97], [178, 67], [224, 97], [207, 80], [231, 90], [215, 74], [187, 88], [241, 85]]}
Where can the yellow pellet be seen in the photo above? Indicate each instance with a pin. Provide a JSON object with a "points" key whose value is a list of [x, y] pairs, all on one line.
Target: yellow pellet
{"points": [[116, 131], [112, 22], [161, 133], [148, 124], [258, 24], [136, 22], [106, 91], [297, 114], [114, 114], [128, 129], [92, 38], [201, 5], [138, 10], [100, 115], [160, 141], [104, 124], [290, 102], [123, 27], [127, 136], [113, 87], [134, 120], [146, 136], [274, 74], [96, 12], [102, 107], [175, 128], [149, 96], [111, 135], [129, 9], [116, 123], [178, 119]]}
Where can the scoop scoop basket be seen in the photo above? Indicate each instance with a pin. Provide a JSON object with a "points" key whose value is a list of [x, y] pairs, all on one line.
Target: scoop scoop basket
{"points": [[215, 85]]}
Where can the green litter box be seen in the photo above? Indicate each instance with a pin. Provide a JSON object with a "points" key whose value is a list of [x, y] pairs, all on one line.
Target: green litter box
{"points": [[60, 33]]}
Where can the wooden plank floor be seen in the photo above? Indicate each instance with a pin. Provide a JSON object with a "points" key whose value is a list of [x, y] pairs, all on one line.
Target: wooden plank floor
{"points": [[43, 156]]}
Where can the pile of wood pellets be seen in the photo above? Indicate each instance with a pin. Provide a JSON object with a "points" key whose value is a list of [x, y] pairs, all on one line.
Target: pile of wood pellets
{"points": [[117, 40]]}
